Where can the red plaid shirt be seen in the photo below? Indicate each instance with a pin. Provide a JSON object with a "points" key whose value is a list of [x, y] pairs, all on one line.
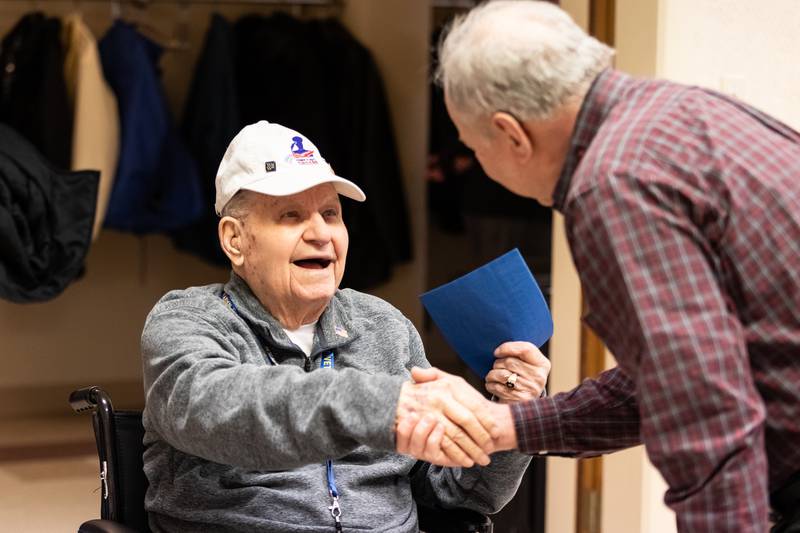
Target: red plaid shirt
{"points": [[682, 209]]}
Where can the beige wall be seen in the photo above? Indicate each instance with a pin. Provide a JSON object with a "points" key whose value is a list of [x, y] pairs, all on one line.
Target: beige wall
{"points": [[565, 305], [736, 46], [636, 36], [578, 10], [633, 493], [90, 334]]}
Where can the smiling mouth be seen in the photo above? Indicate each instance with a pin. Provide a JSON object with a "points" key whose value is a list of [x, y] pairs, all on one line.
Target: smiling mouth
{"points": [[314, 264]]}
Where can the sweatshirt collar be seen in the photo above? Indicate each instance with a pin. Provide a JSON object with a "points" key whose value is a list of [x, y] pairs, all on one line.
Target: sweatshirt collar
{"points": [[334, 327]]}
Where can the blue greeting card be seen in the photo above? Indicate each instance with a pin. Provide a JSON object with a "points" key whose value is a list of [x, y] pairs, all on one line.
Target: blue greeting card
{"points": [[495, 303]]}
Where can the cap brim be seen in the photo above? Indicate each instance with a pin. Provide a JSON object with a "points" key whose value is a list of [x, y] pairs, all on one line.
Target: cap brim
{"points": [[301, 183]]}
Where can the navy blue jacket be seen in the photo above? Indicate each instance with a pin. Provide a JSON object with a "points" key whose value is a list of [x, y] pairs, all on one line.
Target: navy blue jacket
{"points": [[210, 121], [156, 187]]}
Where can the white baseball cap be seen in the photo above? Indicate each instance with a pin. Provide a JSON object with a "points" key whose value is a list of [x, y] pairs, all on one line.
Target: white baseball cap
{"points": [[272, 159]]}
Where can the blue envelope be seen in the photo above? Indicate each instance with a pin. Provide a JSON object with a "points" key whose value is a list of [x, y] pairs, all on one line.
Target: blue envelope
{"points": [[495, 303]]}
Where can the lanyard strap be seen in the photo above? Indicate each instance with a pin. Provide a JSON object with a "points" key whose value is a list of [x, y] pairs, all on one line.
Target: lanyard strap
{"points": [[326, 361]]}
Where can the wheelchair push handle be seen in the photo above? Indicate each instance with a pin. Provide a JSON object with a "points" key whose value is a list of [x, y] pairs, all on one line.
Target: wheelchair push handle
{"points": [[88, 399]]}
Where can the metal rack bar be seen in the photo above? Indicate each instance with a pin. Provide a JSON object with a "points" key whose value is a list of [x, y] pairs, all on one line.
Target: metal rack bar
{"points": [[144, 3], [464, 4]]}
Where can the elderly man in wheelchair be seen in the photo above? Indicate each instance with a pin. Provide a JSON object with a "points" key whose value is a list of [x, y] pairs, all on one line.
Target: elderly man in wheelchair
{"points": [[278, 402]]}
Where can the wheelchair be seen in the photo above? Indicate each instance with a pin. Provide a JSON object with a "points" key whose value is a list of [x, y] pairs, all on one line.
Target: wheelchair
{"points": [[119, 434]]}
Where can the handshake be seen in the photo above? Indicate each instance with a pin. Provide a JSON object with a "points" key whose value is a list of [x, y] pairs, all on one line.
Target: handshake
{"points": [[441, 419]]}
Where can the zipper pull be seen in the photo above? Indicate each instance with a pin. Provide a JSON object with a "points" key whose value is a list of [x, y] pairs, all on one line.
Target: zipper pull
{"points": [[307, 365]]}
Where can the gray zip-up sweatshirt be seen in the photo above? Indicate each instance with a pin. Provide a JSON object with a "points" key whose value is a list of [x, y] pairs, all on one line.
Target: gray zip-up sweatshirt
{"points": [[234, 443]]}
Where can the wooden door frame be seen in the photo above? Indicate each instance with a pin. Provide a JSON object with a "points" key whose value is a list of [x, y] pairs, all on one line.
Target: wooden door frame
{"points": [[593, 352]]}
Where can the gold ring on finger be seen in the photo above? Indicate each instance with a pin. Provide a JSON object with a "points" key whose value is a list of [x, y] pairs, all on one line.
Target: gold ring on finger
{"points": [[511, 381]]}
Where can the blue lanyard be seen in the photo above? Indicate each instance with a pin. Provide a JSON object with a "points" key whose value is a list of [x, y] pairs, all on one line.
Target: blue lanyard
{"points": [[326, 361]]}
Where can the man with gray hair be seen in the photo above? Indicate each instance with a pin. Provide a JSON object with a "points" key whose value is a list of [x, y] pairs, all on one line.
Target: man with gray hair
{"points": [[682, 209]]}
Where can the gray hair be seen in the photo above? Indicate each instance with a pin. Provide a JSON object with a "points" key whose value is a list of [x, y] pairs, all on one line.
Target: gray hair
{"points": [[239, 206], [526, 58]]}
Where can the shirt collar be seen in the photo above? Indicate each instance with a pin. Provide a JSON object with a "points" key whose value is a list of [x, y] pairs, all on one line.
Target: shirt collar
{"points": [[334, 327], [606, 90]]}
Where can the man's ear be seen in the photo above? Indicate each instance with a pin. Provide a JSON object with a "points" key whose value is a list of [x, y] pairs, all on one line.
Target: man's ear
{"points": [[512, 132], [231, 238]]}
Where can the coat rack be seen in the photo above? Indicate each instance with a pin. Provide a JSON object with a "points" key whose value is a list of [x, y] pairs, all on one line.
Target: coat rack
{"points": [[179, 40], [145, 3], [454, 4]]}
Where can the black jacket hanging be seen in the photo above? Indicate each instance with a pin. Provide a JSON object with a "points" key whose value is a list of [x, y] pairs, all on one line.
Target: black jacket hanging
{"points": [[156, 187], [359, 130], [210, 121], [46, 219], [316, 78], [33, 94]]}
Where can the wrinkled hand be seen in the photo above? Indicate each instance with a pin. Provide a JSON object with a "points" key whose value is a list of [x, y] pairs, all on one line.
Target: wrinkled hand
{"points": [[443, 420], [527, 362]]}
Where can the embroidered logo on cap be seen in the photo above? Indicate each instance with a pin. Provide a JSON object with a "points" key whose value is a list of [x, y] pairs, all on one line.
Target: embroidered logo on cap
{"points": [[299, 154], [270, 166]]}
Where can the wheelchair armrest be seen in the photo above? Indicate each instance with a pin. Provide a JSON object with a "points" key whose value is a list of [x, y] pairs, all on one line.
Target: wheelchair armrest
{"points": [[104, 526]]}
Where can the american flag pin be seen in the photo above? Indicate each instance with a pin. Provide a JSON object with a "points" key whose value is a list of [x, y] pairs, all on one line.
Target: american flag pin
{"points": [[339, 330]]}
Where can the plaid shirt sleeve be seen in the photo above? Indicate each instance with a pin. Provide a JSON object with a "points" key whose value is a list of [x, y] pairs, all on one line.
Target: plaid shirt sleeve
{"points": [[649, 272], [598, 417]]}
